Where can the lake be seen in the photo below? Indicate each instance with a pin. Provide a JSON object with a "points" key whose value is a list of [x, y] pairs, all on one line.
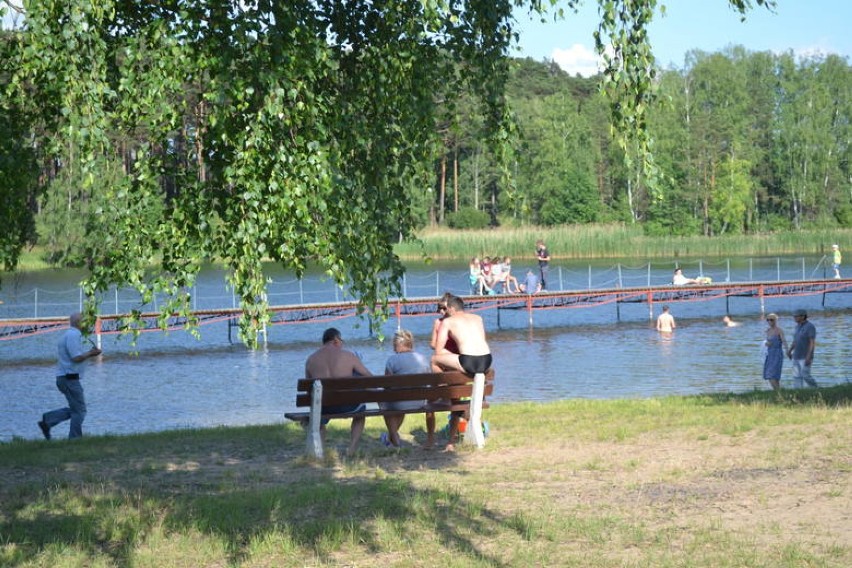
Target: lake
{"points": [[174, 380]]}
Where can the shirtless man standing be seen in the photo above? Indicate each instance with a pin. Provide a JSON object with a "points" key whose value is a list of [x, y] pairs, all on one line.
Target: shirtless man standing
{"points": [[666, 322], [474, 355], [331, 360]]}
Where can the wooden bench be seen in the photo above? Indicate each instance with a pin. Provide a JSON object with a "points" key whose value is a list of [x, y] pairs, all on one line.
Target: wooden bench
{"points": [[437, 389]]}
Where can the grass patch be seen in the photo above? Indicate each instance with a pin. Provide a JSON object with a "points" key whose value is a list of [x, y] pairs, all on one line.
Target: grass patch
{"points": [[754, 479]]}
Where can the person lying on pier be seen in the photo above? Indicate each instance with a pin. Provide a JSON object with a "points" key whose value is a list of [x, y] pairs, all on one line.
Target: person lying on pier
{"points": [[678, 279]]}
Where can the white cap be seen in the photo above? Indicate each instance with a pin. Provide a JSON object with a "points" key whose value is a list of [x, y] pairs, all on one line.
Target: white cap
{"points": [[834, 246]]}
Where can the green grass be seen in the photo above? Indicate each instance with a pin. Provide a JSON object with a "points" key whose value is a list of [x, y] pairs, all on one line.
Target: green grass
{"points": [[592, 483], [615, 241]]}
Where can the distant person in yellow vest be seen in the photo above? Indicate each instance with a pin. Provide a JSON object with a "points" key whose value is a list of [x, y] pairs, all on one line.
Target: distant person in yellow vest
{"points": [[836, 259]]}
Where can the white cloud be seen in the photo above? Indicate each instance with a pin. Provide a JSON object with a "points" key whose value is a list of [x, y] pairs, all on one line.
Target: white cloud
{"points": [[577, 59]]}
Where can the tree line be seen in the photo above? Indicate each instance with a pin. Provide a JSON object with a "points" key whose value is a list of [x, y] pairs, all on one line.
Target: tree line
{"points": [[744, 142]]}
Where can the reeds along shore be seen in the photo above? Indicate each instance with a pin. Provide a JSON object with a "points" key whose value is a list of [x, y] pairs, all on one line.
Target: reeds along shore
{"points": [[615, 241], [589, 241]]}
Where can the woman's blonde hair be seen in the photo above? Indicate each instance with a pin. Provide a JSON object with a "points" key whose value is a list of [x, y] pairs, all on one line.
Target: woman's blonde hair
{"points": [[403, 337]]}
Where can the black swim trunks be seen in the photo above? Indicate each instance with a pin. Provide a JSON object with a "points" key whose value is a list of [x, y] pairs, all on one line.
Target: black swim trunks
{"points": [[473, 364]]}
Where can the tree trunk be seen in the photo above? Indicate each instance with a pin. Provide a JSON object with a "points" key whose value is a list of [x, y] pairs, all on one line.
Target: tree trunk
{"points": [[443, 191]]}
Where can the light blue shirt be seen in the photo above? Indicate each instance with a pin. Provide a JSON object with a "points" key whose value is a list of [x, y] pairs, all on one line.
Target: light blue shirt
{"points": [[407, 363], [70, 346]]}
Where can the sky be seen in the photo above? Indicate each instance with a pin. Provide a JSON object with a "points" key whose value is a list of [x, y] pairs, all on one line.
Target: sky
{"points": [[805, 27]]}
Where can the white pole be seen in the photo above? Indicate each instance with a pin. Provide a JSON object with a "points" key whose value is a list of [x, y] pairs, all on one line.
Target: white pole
{"points": [[473, 434], [314, 439]]}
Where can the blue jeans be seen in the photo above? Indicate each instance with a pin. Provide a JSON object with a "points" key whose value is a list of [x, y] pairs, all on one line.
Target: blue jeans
{"points": [[802, 374], [75, 411]]}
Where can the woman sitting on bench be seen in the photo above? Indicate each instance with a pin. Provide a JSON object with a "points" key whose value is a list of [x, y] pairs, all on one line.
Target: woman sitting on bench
{"points": [[405, 361]]}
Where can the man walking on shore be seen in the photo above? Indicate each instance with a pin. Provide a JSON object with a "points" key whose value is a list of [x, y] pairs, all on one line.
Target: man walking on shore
{"points": [[68, 374], [801, 350]]}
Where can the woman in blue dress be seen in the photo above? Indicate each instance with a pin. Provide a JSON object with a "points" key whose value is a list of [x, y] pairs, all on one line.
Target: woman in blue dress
{"points": [[774, 361]]}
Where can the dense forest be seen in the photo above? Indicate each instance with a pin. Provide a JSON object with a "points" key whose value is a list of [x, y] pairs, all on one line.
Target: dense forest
{"points": [[744, 142]]}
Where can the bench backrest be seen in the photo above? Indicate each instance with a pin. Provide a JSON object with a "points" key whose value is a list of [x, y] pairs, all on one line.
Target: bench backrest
{"points": [[390, 388]]}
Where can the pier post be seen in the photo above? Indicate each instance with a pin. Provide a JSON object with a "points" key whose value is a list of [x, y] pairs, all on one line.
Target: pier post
{"points": [[650, 305], [529, 309], [760, 295], [98, 332]]}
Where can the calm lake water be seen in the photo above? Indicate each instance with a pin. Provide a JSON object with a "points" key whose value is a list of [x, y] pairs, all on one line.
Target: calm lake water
{"points": [[174, 380]]}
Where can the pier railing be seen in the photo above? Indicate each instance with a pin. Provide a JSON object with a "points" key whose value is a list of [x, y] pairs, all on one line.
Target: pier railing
{"points": [[213, 293]]}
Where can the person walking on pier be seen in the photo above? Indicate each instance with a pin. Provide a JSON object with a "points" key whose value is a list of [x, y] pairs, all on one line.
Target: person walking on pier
{"points": [[775, 346], [331, 360], [69, 369], [801, 350], [836, 259], [666, 322]]}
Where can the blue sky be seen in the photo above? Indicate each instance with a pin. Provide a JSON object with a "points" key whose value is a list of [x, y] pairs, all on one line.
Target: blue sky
{"points": [[805, 27]]}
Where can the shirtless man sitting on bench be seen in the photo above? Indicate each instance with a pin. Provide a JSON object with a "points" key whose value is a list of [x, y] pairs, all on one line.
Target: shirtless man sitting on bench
{"points": [[474, 355]]}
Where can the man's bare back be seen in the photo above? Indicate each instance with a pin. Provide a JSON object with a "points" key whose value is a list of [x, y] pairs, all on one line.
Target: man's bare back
{"points": [[468, 331], [331, 360]]}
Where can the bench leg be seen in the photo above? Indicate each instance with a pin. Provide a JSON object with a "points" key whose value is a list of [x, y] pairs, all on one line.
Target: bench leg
{"points": [[314, 444], [473, 434]]}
